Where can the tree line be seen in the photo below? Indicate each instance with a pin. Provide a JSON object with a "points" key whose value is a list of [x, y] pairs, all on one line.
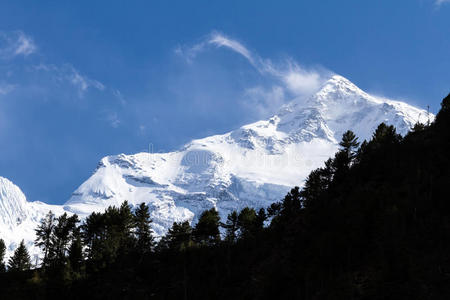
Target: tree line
{"points": [[74, 248], [372, 223]]}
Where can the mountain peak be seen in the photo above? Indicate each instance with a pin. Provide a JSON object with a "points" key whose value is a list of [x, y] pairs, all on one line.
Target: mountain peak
{"points": [[340, 80], [338, 87]]}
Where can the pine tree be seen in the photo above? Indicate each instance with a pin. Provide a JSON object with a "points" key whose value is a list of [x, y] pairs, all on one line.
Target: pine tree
{"points": [[62, 236], [418, 127], [349, 144], [349, 141], [124, 229], [315, 186], [247, 223], [2, 256], [444, 111], [206, 231], [143, 232], [385, 134], [291, 203], [75, 256], [442, 121], [93, 231], [231, 227], [274, 209], [179, 237], [44, 233], [109, 235], [20, 261], [261, 217]]}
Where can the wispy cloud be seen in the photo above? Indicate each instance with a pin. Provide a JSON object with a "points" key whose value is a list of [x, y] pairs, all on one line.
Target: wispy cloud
{"points": [[118, 94], [216, 40], [15, 43], [264, 100], [220, 40], [83, 82], [113, 119], [71, 75], [43, 79], [24, 45], [6, 88], [291, 80]]}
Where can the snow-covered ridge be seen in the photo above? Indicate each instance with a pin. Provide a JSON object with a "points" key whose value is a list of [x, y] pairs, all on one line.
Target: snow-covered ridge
{"points": [[19, 218], [254, 165]]}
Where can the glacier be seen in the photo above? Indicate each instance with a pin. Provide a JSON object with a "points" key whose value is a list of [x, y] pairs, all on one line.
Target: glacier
{"points": [[254, 165]]}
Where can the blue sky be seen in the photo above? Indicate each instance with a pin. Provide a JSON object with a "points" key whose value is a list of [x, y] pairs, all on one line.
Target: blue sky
{"points": [[80, 80]]}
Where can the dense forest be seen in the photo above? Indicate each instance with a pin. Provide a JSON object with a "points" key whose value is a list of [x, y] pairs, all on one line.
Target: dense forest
{"points": [[373, 223]]}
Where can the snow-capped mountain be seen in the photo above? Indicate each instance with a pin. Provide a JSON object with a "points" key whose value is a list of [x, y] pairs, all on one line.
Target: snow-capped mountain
{"points": [[254, 165], [19, 218]]}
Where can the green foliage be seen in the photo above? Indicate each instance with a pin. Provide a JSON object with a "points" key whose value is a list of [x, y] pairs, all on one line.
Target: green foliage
{"points": [[44, 233], [349, 144], [315, 186], [418, 127], [109, 235], [206, 231], [231, 227], [143, 232], [63, 233], [20, 261], [75, 252], [178, 238], [250, 223], [385, 135], [246, 222], [93, 233], [443, 115]]}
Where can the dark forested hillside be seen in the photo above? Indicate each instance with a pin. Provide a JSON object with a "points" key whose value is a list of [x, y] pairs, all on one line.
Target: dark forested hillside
{"points": [[373, 223]]}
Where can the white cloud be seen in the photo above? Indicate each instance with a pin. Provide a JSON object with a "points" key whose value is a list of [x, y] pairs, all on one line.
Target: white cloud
{"points": [[47, 81], [120, 97], [15, 43], [292, 80], [82, 83], [264, 101], [302, 82], [6, 88], [25, 45], [71, 75], [214, 39], [439, 2], [222, 41], [113, 119]]}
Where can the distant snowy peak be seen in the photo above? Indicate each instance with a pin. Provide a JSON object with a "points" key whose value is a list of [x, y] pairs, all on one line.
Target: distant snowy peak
{"points": [[19, 218], [13, 204]]}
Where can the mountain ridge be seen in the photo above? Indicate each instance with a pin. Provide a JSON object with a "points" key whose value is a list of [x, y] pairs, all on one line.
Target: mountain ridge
{"points": [[253, 165]]}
